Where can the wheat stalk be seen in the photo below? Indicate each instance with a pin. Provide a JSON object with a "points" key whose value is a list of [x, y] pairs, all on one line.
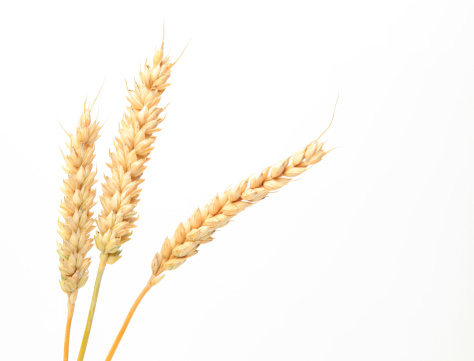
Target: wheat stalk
{"points": [[201, 226], [132, 150], [75, 208]]}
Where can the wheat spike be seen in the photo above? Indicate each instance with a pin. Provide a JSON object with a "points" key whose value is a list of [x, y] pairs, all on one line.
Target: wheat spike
{"points": [[76, 206], [200, 227], [132, 150]]}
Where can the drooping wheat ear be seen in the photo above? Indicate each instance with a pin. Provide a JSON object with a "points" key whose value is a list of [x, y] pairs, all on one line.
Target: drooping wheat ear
{"points": [[200, 227], [76, 206], [132, 149]]}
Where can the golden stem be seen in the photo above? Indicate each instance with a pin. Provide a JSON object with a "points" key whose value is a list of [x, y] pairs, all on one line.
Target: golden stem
{"points": [[70, 313], [129, 317]]}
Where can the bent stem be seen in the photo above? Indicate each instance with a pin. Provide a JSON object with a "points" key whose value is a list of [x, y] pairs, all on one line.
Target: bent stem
{"points": [[70, 313], [129, 317], [95, 295]]}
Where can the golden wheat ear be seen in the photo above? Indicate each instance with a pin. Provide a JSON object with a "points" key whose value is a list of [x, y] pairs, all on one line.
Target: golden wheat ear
{"points": [[202, 224], [133, 146], [75, 208]]}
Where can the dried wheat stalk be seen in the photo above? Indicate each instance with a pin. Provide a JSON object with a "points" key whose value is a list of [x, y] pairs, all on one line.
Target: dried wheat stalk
{"points": [[76, 207]]}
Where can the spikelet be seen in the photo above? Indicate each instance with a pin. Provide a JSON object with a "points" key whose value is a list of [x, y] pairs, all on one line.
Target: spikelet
{"points": [[132, 150], [76, 207], [201, 226]]}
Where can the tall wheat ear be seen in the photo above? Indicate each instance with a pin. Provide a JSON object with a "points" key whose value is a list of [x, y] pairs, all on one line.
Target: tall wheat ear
{"points": [[201, 226], [121, 190], [132, 151], [75, 208]]}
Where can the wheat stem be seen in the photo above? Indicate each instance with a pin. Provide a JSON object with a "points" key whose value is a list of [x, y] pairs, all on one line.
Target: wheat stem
{"points": [[95, 295], [70, 313], [142, 294]]}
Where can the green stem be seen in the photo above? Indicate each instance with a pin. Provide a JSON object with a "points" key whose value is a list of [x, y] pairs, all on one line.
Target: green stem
{"points": [[95, 295]]}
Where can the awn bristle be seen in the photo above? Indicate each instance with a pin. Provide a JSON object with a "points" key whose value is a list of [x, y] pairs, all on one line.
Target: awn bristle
{"points": [[132, 150], [76, 207], [223, 207]]}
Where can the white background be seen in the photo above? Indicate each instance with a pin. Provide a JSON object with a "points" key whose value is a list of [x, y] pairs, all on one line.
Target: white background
{"points": [[369, 256]]}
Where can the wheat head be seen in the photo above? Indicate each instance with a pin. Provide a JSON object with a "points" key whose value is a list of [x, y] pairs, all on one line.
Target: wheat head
{"points": [[76, 206], [132, 150], [200, 227]]}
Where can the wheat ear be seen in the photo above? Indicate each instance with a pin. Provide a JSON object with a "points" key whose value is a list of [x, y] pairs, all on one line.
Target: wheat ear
{"points": [[76, 210], [200, 227], [132, 150]]}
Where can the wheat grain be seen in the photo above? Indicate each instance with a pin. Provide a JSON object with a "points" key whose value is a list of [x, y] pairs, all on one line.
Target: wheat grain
{"points": [[202, 224], [132, 149], [76, 207]]}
